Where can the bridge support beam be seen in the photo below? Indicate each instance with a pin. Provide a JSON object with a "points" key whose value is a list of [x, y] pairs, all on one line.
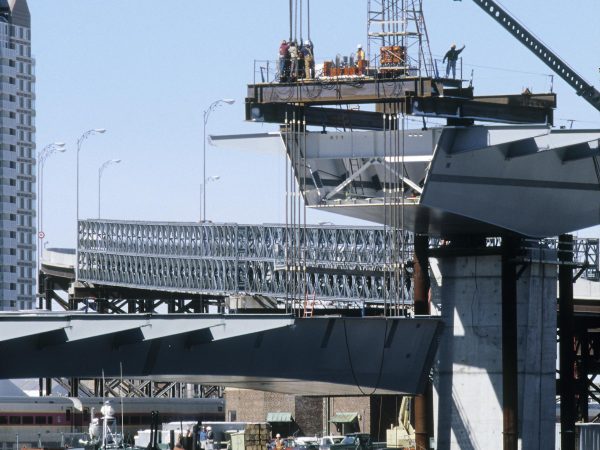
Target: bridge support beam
{"points": [[423, 402], [318, 360], [566, 344], [510, 387], [469, 376]]}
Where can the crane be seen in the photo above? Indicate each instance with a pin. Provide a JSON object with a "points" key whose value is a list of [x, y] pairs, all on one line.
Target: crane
{"points": [[548, 57]]}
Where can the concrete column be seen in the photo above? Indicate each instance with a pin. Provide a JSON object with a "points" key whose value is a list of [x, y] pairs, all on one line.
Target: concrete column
{"points": [[468, 378]]}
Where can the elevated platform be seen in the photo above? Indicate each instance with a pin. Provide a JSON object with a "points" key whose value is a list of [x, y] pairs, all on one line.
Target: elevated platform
{"points": [[420, 96], [316, 356]]}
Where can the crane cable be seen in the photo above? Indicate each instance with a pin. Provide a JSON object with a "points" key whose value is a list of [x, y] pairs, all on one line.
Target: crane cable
{"points": [[308, 19], [296, 20], [291, 19]]}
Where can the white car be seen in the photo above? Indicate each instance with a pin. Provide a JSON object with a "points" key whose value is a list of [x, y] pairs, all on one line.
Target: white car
{"points": [[327, 441]]}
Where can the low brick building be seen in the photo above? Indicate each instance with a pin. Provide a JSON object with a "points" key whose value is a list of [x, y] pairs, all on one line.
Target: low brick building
{"points": [[312, 416]]}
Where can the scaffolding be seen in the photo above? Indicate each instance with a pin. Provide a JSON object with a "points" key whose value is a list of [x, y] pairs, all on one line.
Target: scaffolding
{"points": [[398, 39]]}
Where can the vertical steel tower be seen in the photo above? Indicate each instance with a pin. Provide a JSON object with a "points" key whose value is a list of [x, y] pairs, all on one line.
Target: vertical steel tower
{"points": [[397, 37]]}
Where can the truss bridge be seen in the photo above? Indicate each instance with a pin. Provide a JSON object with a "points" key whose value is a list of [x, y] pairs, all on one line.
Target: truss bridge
{"points": [[318, 262], [329, 263]]}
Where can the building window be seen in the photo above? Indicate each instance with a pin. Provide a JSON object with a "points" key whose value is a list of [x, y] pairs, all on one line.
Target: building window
{"points": [[27, 420]]}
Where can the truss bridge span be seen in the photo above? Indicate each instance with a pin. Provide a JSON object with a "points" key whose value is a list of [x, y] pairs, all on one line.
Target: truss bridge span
{"points": [[330, 263]]}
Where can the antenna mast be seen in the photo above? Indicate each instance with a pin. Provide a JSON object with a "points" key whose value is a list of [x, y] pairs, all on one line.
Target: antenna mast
{"points": [[397, 37]]}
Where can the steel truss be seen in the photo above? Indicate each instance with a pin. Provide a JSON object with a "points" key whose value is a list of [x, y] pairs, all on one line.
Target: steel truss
{"points": [[341, 263]]}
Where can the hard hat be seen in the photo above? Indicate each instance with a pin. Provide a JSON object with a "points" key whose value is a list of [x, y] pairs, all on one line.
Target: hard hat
{"points": [[359, 46], [453, 45], [209, 427], [278, 435]]}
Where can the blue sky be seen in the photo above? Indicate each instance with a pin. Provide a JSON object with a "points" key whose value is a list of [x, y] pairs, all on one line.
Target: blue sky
{"points": [[146, 70]]}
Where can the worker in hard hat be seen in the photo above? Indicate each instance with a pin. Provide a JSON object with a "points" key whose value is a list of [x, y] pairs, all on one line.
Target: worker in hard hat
{"points": [[360, 53], [309, 59], [452, 56], [293, 60], [361, 62], [278, 442], [210, 438], [284, 60]]}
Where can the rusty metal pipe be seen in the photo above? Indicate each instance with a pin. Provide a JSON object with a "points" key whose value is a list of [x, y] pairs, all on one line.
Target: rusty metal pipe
{"points": [[510, 400], [566, 345], [422, 284]]}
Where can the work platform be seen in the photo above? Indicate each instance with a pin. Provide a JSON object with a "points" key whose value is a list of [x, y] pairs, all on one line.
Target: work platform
{"points": [[306, 101]]}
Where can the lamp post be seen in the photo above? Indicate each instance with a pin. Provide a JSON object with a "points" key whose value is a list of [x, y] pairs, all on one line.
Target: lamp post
{"points": [[80, 141], [214, 105], [202, 193], [43, 155], [100, 172]]}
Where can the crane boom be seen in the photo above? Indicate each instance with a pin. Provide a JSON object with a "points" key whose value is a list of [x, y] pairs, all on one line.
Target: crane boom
{"points": [[551, 59]]}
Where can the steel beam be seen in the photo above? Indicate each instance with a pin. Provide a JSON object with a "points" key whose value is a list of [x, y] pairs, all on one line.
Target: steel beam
{"points": [[566, 343], [422, 284], [340, 91], [510, 397]]}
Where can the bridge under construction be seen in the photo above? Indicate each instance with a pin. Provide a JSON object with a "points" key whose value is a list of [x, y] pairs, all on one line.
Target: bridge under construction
{"points": [[460, 264]]}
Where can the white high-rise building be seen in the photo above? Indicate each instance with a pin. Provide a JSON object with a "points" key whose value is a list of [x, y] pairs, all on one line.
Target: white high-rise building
{"points": [[17, 158]]}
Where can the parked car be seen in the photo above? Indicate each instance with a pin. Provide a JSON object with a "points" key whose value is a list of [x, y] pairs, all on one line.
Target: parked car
{"points": [[327, 441], [306, 443], [357, 441]]}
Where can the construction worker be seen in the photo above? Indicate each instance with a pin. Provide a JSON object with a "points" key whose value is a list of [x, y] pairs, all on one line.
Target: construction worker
{"points": [[452, 56], [294, 61], [361, 62], [360, 53], [210, 438], [284, 59], [278, 442], [202, 438], [309, 60]]}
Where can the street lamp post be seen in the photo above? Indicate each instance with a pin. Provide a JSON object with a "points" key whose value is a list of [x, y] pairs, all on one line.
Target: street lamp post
{"points": [[80, 141], [43, 155], [100, 172], [202, 191], [210, 109]]}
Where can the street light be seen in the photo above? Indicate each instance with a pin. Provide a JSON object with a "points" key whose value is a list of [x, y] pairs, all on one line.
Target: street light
{"points": [[203, 189], [43, 155], [100, 172], [211, 108], [80, 141]]}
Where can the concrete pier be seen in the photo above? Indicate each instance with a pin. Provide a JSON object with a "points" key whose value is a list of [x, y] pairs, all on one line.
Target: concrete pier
{"points": [[468, 379]]}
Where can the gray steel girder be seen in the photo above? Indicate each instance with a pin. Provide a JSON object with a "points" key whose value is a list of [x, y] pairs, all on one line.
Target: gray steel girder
{"points": [[319, 356]]}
